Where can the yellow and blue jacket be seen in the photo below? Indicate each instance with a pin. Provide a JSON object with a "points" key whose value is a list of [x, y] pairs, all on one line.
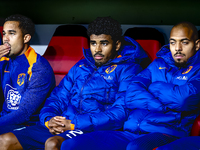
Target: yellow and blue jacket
{"points": [[25, 82]]}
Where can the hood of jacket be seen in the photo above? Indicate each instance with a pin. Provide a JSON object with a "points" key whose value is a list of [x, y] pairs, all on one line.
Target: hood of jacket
{"points": [[165, 54], [130, 51]]}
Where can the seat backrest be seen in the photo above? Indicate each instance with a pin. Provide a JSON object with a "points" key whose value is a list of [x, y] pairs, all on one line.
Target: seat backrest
{"points": [[1, 30], [196, 127], [1, 39], [1, 35], [66, 49], [150, 39]]}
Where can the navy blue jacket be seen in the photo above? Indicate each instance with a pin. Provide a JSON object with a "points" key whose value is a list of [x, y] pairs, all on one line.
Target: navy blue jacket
{"points": [[26, 81], [93, 98], [164, 98]]}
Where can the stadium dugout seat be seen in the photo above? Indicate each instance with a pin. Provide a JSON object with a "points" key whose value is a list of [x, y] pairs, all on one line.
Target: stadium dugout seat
{"points": [[1, 35], [65, 48], [150, 39], [196, 127], [1, 41], [1, 30]]}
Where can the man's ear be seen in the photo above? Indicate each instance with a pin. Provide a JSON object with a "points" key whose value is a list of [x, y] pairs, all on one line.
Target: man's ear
{"points": [[27, 38], [118, 45]]}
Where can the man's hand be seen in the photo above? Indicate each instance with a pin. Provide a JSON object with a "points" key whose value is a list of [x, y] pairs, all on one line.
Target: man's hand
{"points": [[59, 125], [4, 49]]}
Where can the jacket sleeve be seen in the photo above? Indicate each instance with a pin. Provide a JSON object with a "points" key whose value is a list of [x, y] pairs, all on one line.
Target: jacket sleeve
{"points": [[58, 101], [178, 97], [39, 87], [114, 117], [138, 95]]}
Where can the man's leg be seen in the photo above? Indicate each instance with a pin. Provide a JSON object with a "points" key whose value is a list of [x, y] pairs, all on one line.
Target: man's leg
{"points": [[10, 128], [185, 143], [33, 137], [54, 143], [150, 141], [100, 140], [9, 141]]}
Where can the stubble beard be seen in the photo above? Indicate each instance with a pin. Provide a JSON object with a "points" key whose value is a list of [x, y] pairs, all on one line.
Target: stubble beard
{"points": [[180, 64]]}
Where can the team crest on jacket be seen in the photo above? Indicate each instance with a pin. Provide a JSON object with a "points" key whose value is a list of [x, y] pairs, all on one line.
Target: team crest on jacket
{"points": [[20, 79], [13, 97], [111, 69], [188, 70]]}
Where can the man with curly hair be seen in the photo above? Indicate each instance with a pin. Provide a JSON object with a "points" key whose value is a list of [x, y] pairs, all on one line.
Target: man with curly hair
{"points": [[90, 97], [163, 101], [27, 78]]}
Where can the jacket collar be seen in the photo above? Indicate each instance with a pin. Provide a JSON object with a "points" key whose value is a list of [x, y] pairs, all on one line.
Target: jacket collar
{"points": [[165, 53], [130, 50]]}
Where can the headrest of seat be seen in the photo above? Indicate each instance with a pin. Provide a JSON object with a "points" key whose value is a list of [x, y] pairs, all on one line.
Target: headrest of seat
{"points": [[145, 33], [64, 51], [71, 30], [151, 47], [1, 41], [1, 34]]}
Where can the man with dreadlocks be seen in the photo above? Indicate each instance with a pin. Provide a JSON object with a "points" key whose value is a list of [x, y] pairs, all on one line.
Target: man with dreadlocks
{"points": [[90, 97]]}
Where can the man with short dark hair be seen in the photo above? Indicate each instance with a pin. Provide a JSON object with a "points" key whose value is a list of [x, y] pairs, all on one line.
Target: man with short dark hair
{"points": [[26, 80], [163, 99], [90, 97]]}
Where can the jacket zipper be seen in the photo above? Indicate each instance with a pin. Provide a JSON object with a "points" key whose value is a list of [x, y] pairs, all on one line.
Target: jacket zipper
{"points": [[175, 74], [139, 122], [81, 93], [107, 99]]}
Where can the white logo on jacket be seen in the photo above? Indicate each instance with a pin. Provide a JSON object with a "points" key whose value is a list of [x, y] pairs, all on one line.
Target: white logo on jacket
{"points": [[182, 77], [107, 77], [13, 97]]}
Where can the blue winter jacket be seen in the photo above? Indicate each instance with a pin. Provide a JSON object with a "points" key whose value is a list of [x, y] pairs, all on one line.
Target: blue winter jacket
{"points": [[164, 98], [92, 98]]}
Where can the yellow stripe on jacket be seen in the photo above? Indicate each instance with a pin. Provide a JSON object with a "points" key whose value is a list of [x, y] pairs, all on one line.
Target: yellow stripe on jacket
{"points": [[4, 58], [31, 57]]}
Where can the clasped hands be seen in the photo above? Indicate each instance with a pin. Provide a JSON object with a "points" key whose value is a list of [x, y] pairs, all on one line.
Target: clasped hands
{"points": [[59, 124]]}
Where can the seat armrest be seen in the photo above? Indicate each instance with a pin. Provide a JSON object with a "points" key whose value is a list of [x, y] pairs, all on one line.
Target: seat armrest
{"points": [[196, 127]]}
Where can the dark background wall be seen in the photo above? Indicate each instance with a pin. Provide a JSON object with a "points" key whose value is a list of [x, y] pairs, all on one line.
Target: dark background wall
{"points": [[141, 12]]}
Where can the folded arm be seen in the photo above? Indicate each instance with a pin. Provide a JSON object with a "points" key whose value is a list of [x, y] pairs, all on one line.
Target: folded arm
{"points": [[138, 95]]}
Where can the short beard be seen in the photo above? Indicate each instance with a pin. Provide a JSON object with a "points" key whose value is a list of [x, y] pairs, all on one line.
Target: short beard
{"points": [[98, 64], [114, 54], [181, 65]]}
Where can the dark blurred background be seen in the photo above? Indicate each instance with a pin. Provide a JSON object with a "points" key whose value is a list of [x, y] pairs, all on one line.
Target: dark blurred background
{"points": [[138, 12]]}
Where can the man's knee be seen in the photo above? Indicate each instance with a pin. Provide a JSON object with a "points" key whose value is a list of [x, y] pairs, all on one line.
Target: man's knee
{"points": [[72, 145], [54, 142], [7, 138], [132, 146], [9, 141]]}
